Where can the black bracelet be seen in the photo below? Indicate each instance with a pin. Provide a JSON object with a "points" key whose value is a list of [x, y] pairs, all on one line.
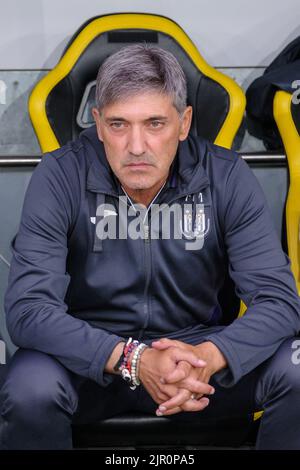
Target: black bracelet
{"points": [[120, 360]]}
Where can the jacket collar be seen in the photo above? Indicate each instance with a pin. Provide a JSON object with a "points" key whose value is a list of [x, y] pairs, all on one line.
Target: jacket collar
{"points": [[187, 174]]}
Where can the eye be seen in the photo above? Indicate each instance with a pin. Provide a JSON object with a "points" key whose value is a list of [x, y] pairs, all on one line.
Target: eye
{"points": [[156, 124], [117, 125]]}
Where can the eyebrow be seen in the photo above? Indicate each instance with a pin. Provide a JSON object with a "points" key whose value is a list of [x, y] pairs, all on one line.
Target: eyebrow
{"points": [[120, 119], [114, 118]]}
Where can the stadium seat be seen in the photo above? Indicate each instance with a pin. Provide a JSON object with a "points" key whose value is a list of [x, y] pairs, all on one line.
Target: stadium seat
{"points": [[60, 104], [287, 117]]}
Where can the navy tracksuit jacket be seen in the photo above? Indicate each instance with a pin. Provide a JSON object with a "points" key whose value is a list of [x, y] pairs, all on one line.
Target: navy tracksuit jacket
{"points": [[75, 296]]}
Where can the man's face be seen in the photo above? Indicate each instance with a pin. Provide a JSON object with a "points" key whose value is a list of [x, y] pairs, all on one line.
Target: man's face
{"points": [[140, 137]]}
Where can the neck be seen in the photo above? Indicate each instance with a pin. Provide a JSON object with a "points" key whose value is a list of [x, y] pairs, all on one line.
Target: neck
{"points": [[144, 196]]}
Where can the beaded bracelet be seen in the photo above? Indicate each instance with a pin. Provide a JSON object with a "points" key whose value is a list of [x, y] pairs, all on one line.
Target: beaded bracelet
{"points": [[128, 362], [135, 363], [125, 368], [121, 358], [128, 347], [123, 364]]}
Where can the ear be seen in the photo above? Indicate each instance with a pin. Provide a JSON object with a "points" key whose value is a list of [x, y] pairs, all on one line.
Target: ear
{"points": [[97, 117], [186, 121]]}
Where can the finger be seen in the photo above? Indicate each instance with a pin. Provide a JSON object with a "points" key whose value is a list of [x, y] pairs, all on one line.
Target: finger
{"points": [[166, 392], [195, 405], [158, 395], [181, 372], [196, 386], [189, 405], [173, 411], [161, 396], [163, 343], [181, 397], [178, 355], [169, 391], [160, 346]]}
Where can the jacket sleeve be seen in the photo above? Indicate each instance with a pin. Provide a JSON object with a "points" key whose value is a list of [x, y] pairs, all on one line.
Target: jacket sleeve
{"points": [[36, 313], [262, 276]]}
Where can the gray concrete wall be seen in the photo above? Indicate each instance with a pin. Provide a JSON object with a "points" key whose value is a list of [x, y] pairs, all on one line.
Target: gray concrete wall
{"points": [[231, 33]]}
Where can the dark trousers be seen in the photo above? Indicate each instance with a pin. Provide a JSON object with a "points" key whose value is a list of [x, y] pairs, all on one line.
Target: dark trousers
{"points": [[40, 400]]}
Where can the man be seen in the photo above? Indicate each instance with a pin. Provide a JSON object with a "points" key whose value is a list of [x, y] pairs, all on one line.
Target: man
{"points": [[101, 257]]}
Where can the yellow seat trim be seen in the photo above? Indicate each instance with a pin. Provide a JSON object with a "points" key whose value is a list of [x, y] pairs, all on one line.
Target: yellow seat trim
{"points": [[38, 97], [291, 142], [257, 415]]}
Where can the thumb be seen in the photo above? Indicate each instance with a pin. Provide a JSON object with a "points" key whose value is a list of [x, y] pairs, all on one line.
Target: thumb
{"points": [[162, 344]]}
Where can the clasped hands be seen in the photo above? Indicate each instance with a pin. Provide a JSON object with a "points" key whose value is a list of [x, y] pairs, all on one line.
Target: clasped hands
{"points": [[177, 375]]}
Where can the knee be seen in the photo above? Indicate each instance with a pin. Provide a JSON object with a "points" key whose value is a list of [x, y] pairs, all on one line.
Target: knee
{"points": [[26, 397], [33, 390], [285, 365]]}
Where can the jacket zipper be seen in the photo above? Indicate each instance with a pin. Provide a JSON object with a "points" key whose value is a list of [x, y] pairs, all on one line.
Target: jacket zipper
{"points": [[147, 253]]}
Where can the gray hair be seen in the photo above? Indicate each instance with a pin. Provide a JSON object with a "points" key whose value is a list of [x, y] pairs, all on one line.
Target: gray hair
{"points": [[140, 68]]}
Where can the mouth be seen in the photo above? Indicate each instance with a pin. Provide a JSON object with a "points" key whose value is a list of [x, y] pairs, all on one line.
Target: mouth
{"points": [[139, 165]]}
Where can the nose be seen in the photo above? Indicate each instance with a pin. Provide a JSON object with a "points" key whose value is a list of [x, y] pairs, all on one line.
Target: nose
{"points": [[136, 141]]}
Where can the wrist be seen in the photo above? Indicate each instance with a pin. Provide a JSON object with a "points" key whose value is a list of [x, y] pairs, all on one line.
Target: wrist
{"points": [[212, 355], [145, 358], [113, 359], [125, 361]]}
